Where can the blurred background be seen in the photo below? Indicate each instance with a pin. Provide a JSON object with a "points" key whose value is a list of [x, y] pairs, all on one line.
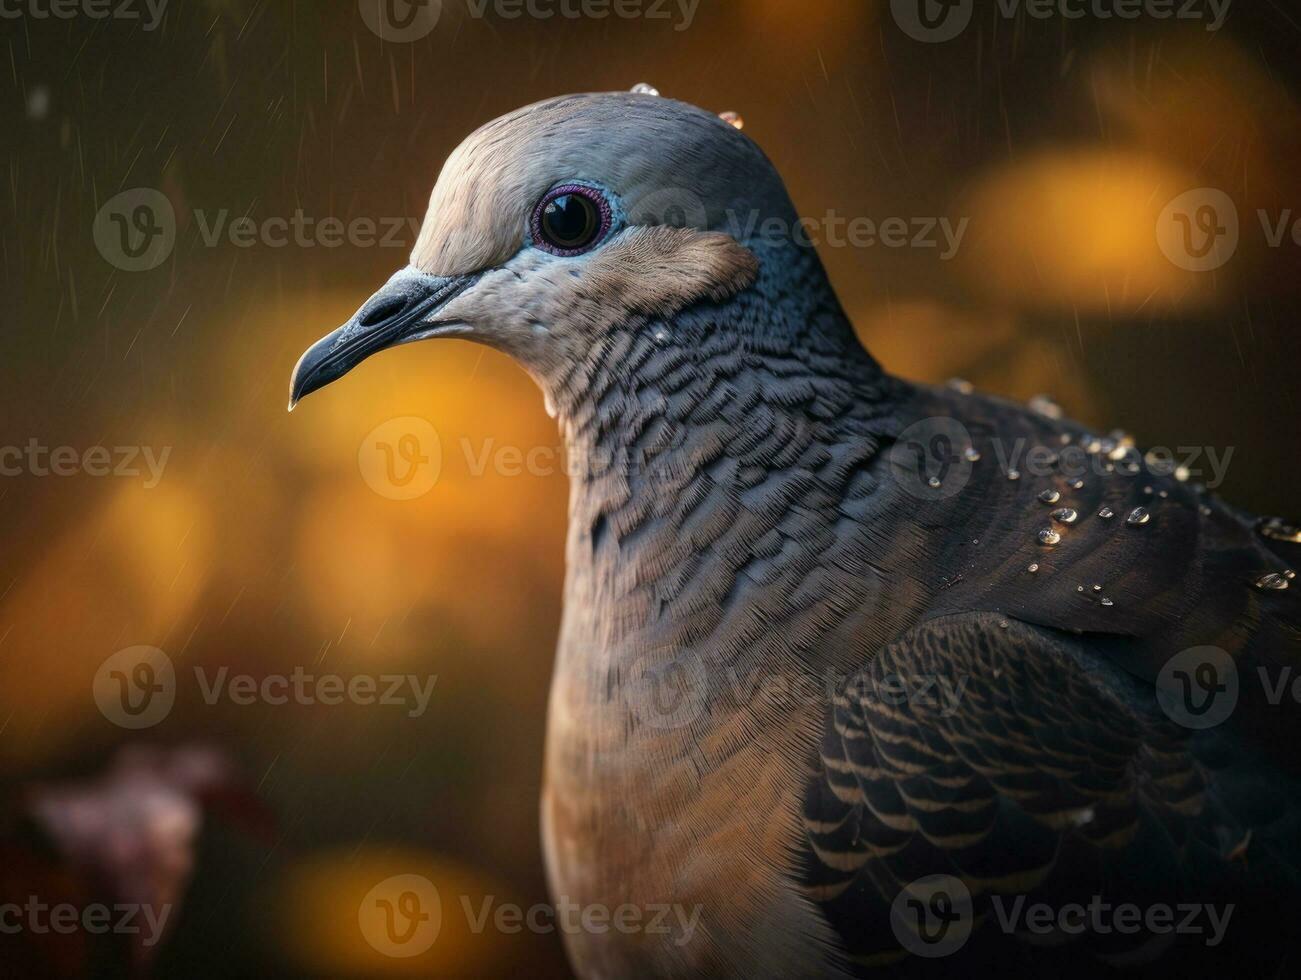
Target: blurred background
{"points": [[261, 542]]}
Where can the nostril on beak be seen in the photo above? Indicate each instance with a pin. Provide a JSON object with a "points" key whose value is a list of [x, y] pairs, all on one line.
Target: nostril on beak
{"points": [[380, 310]]}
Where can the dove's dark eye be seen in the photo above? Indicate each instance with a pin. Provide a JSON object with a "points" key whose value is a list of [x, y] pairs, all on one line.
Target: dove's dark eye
{"points": [[570, 219]]}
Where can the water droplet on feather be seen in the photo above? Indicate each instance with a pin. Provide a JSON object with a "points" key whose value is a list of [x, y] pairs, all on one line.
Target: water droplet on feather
{"points": [[1278, 529], [1271, 582], [1045, 406]]}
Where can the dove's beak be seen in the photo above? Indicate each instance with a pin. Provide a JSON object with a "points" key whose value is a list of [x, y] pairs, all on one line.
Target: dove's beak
{"points": [[405, 309]]}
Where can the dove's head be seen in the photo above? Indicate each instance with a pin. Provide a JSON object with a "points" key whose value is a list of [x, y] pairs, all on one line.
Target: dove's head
{"points": [[559, 227]]}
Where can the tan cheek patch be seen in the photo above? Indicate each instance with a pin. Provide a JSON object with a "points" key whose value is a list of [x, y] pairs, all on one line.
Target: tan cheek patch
{"points": [[661, 270]]}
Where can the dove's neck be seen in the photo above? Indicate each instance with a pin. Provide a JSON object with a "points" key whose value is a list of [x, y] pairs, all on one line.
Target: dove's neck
{"points": [[709, 572], [708, 453], [706, 429]]}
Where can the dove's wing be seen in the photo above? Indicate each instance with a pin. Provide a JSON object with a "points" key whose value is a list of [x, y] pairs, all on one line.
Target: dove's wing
{"points": [[1035, 771]]}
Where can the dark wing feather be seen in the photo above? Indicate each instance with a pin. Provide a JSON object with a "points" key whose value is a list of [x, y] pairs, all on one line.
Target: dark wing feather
{"points": [[1185, 577], [1053, 776]]}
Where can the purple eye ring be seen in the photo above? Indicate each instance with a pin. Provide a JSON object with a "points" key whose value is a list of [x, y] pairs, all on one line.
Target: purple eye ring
{"points": [[571, 219]]}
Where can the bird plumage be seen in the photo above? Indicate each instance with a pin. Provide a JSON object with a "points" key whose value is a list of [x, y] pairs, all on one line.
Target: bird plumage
{"points": [[766, 528]]}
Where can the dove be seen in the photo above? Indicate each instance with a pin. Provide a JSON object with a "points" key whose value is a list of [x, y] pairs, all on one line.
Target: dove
{"points": [[857, 676]]}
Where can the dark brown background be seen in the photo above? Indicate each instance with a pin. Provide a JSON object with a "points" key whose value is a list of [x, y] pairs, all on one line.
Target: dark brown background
{"points": [[262, 548]]}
